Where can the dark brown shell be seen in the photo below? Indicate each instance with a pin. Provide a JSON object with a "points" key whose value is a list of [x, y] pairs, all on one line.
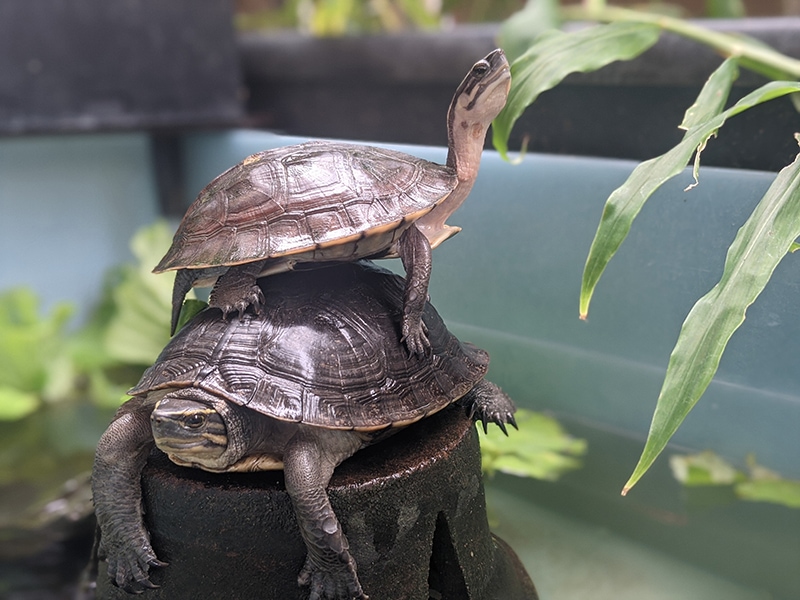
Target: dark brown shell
{"points": [[300, 198], [326, 351]]}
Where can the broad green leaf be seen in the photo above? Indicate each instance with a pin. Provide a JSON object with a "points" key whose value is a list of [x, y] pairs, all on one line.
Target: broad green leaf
{"points": [[627, 200], [29, 342], [759, 246], [518, 32], [704, 468], [139, 328], [16, 404], [540, 448], [776, 491], [555, 55]]}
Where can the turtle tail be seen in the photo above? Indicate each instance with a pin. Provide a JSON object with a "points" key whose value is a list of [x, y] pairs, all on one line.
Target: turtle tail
{"points": [[184, 280]]}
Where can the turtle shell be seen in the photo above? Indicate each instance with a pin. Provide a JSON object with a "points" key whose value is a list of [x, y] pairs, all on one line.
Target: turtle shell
{"points": [[325, 351], [302, 198]]}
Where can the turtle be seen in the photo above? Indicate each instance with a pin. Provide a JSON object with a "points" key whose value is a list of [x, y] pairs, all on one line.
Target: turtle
{"points": [[317, 375], [327, 201]]}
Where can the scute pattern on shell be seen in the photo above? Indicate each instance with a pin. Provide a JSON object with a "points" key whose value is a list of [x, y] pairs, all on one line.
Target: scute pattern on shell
{"points": [[326, 352], [294, 199]]}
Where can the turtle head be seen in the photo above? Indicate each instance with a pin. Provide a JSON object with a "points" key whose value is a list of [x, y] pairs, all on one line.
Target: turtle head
{"points": [[477, 101], [197, 429]]}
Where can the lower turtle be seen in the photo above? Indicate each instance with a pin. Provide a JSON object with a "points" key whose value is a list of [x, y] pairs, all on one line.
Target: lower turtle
{"points": [[317, 375]]}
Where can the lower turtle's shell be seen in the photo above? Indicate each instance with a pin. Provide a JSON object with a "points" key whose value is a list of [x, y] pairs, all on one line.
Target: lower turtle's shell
{"points": [[325, 351]]}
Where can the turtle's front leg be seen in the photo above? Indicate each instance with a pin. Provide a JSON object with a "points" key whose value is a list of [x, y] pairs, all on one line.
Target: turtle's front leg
{"points": [[117, 493], [309, 460], [237, 288], [415, 252]]}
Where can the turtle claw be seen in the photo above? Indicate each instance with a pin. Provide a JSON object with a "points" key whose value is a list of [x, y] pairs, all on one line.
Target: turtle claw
{"points": [[329, 585], [237, 289], [489, 404], [130, 571], [254, 297], [415, 337]]}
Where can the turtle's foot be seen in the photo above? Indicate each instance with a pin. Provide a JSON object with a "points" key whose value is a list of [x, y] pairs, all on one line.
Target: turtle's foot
{"points": [[129, 568], [337, 583], [237, 289], [489, 404], [230, 302], [415, 336]]}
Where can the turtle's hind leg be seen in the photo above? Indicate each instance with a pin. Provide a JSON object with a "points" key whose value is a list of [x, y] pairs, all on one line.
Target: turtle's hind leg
{"points": [[309, 460], [487, 403], [237, 288]]}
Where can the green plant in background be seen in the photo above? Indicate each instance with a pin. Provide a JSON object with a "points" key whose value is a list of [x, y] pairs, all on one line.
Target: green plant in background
{"points": [[339, 17], [543, 56], [139, 327], [758, 484], [32, 353], [540, 448], [42, 362]]}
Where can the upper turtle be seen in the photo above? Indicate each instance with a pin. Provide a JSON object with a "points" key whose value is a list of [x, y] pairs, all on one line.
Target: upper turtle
{"points": [[328, 358], [328, 201]]}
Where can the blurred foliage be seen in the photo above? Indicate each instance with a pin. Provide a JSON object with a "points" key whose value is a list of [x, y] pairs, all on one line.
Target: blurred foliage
{"points": [[33, 360], [540, 448], [43, 362], [341, 17], [139, 326], [757, 484]]}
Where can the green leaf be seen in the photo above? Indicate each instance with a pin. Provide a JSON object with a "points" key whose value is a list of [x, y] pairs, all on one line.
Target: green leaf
{"points": [[540, 449], [705, 468], [712, 98], [29, 343], [725, 9], [759, 246], [627, 200], [139, 328], [16, 404], [776, 491], [520, 30], [555, 55]]}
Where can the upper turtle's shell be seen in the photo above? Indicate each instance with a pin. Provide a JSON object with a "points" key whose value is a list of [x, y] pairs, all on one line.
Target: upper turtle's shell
{"points": [[300, 198], [326, 351]]}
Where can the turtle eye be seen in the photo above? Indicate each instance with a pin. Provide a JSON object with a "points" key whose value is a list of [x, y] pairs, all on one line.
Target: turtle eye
{"points": [[194, 420], [480, 68]]}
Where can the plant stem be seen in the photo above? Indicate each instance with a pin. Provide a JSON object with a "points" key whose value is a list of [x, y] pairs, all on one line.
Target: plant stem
{"points": [[726, 44]]}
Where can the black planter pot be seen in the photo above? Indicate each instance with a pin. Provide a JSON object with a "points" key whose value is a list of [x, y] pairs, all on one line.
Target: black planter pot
{"points": [[397, 88], [92, 65]]}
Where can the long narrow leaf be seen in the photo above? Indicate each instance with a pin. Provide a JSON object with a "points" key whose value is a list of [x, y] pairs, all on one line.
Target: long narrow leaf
{"points": [[713, 97], [627, 200], [555, 55], [759, 246]]}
